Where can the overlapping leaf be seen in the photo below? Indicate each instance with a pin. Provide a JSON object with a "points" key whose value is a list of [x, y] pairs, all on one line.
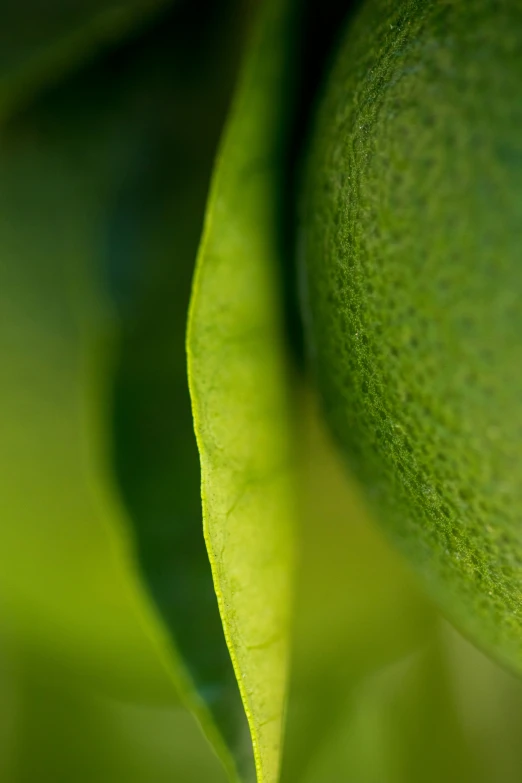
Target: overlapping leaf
{"points": [[239, 387], [94, 281]]}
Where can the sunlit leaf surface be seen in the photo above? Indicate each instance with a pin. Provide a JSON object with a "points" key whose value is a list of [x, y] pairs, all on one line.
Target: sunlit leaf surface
{"points": [[240, 391]]}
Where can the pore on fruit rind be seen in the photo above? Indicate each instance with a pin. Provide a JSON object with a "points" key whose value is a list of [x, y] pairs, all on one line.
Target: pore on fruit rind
{"points": [[411, 229]]}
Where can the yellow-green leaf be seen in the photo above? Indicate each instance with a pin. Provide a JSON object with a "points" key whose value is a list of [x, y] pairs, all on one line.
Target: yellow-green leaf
{"points": [[239, 387]]}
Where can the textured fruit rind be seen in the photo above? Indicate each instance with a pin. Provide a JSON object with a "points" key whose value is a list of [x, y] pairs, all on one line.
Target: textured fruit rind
{"points": [[411, 237]]}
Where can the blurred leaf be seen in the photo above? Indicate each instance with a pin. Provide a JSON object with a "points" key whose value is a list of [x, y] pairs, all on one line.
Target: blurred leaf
{"points": [[63, 732], [401, 726], [66, 580], [154, 237], [357, 605], [488, 700], [239, 386], [91, 194], [444, 713], [39, 40]]}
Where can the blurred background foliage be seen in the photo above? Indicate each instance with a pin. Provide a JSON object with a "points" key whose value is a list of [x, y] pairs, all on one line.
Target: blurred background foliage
{"points": [[106, 150]]}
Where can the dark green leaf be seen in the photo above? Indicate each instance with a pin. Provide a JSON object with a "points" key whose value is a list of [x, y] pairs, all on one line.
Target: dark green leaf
{"points": [[96, 262]]}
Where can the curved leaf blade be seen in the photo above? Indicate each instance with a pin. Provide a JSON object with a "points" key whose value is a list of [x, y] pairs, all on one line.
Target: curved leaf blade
{"points": [[98, 180], [239, 388]]}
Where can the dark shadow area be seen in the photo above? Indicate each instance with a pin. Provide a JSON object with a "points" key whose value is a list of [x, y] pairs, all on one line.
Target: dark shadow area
{"points": [[322, 25], [191, 57]]}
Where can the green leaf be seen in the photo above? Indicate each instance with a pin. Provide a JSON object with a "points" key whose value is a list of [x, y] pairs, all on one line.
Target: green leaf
{"points": [[67, 581], [239, 386], [411, 235], [96, 261], [41, 41]]}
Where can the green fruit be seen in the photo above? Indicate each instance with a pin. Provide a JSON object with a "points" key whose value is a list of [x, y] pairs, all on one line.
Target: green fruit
{"points": [[411, 235]]}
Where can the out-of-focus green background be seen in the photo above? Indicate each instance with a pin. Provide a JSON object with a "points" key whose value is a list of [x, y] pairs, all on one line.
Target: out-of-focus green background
{"points": [[383, 690]]}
